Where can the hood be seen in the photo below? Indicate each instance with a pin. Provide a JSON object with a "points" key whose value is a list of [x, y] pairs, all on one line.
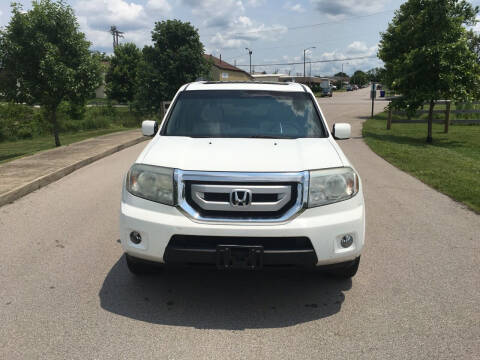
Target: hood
{"points": [[247, 155]]}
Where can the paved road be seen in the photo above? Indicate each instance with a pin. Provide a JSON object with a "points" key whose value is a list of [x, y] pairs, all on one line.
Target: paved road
{"points": [[65, 291]]}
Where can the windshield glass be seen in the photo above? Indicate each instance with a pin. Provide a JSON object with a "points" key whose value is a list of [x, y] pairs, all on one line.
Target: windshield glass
{"points": [[241, 113]]}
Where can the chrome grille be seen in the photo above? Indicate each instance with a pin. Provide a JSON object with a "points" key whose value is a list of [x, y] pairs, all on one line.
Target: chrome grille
{"points": [[222, 197], [241, 197]]}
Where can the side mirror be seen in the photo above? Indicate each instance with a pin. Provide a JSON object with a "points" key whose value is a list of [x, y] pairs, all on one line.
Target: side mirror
{"points": [[149, 127], [341, 131]]}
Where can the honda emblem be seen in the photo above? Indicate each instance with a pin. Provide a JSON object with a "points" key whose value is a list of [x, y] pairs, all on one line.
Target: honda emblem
{"points": [[240, 197]]}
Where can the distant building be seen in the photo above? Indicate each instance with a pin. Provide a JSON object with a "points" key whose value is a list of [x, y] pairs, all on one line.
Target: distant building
{"points": [[307, 80], [268, 77], [223, 71]]}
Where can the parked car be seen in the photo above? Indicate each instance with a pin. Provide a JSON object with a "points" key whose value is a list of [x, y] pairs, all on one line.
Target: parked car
{"points": [[349, 88], [243, 175], [327, 92]]}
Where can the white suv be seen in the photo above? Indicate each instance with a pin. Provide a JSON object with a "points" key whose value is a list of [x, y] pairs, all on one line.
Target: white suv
{"points": [[243, 175]]}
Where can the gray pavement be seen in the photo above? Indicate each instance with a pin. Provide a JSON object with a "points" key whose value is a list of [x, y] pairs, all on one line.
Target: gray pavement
{"points": [[66, 293], [22, 176]]}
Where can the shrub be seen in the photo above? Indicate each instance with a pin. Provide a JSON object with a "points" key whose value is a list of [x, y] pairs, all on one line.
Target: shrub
{"points": [[19, 121], [16, 121]]}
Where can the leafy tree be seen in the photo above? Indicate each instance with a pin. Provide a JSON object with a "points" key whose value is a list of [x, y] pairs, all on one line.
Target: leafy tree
{"points": [[121, 75], [376, 74], [46, 58], [359, 78], [474, 43], [427, 56], [102, 56], [341, 74], [175, 58]]}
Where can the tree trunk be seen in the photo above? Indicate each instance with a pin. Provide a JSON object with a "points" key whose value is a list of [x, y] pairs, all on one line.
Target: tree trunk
{"points": [[55, 125], [430, 122]]}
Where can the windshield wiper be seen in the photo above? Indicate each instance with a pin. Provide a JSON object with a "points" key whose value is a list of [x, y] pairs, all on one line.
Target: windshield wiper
{"points": [[239, 137], [269, 137]]}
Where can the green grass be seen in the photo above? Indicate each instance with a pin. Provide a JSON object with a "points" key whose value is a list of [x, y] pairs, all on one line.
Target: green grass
{"points": [[10, 150], [451, 164]]}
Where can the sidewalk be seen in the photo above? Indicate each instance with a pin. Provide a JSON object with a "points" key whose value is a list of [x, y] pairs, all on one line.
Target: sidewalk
{"points": [[22, 176]]}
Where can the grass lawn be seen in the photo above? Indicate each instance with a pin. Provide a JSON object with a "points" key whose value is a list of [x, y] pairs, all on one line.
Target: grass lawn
{"points": [[451, 164], [10, 150]]}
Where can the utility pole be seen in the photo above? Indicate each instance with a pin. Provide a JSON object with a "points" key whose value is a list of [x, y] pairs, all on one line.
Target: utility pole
{"points": [[342, 75], [304, 54], [116, 34], [250, 53]]}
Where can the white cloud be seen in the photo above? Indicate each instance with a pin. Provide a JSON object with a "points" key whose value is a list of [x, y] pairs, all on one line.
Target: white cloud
{"points": [[159, 5], [242, 31], [101, 14], [232, 28], [356, 49], [216, 13], [359, 48], [343, 8], [294, 7], [136, 20], [255, 3]]}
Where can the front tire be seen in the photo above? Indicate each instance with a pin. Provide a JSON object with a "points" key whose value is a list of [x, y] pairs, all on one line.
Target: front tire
{"points": [[140, 267], [348, 271]]}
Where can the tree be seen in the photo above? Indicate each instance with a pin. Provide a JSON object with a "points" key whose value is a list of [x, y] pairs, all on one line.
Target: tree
{"points": [[341, 74], [427, 56], [102, 56], [121, 76], [359, 78], [474, 43], [47, 58], [376, 74], [175, 58]]}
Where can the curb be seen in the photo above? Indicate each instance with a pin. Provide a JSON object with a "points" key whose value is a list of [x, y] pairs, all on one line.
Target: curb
{"points": [[44, 180]]}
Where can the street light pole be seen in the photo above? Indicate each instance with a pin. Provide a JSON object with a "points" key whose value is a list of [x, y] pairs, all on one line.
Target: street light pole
{"points": [[250, 53], [304, 54]]}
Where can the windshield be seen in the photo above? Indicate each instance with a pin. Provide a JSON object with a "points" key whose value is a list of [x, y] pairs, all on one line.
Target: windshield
{"points": [[245, 114]]}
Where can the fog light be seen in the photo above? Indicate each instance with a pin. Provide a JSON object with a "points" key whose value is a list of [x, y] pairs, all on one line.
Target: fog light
{"points": [[347, 241], [135, 237]]}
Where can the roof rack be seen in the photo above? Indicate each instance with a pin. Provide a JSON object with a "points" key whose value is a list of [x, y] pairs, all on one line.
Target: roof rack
{"points": [[247, 82]]}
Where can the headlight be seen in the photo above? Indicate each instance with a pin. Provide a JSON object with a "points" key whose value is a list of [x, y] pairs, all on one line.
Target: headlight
{"points": [[151, 182], [332, 185]]}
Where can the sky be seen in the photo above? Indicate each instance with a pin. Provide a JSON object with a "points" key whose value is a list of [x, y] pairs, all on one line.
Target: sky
{"points": [[277, 31]]}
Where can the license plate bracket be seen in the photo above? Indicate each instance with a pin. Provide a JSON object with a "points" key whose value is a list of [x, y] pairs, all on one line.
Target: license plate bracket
{"points": [[239, 257]]}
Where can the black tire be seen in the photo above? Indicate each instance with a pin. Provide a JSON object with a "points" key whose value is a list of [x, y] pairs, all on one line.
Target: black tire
{"points": [[347, 271], [141, 267]]}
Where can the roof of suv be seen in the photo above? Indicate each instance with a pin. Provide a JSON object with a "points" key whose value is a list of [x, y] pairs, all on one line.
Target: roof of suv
{"points": [[247, 85]]}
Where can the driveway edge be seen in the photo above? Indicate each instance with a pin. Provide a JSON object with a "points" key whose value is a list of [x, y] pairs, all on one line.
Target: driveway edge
{"points": [[44, 180]]}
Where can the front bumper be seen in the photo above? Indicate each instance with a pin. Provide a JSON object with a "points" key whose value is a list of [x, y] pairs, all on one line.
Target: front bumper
{"points": [[324, 226]]}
